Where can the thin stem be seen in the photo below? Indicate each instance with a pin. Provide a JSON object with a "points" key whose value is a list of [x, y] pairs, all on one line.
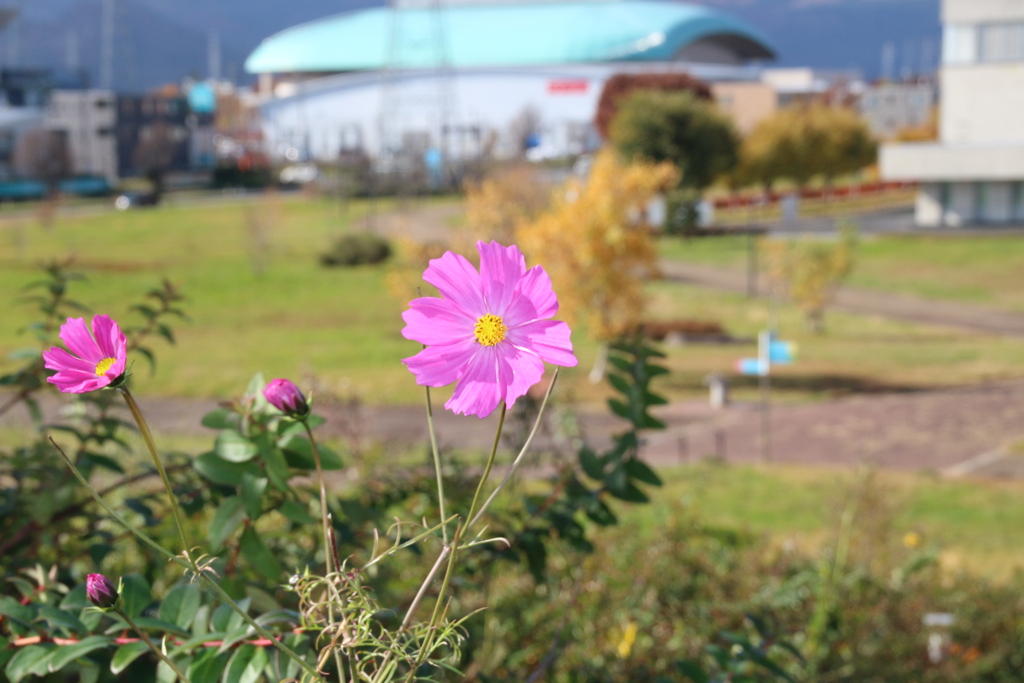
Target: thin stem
{"points": [[152, 645], [147, 436], [328, 559], [490, 461], [176, 558], [426, 584], [437, 464], [519, 458]]}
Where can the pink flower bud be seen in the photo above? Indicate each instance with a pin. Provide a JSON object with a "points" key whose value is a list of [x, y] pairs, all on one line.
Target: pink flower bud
{"points": [[100, 591], [286, 397]]}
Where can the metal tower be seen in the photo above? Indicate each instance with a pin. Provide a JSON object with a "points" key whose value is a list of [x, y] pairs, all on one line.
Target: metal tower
{"points": [[416, 97]]}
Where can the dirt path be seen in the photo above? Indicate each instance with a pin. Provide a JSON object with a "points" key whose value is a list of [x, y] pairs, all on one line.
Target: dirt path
{"points": [[899, 306]]}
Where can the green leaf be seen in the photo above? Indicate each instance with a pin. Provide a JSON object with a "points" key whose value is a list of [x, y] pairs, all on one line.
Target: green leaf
{"points": [[299, 454], [255, 390], [221, 418], [65, 654], [639, 470], [9, 607], [246, 665], [181, 604], [226, 619], [620, 383], [297, 513], [630, 494], [58, 618], [692, 670], [227, 520], [619, 408], [252, 494], [29, 659], [208, 666], [591, 464], [126, 654], [103, 461], [135, 594], [255, 551], [234, 447], [220, 471]]}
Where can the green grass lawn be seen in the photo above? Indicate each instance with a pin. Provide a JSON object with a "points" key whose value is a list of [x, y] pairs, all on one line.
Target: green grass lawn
{"points": [[985, 270], [272, 308], [973, 525]]}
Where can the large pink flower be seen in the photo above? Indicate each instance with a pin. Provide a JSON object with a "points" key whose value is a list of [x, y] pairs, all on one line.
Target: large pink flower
{"points": [[99, 358], [490, 331]]}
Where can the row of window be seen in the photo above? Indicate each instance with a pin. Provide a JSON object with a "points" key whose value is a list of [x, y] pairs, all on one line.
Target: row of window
{"points": [[989, 202], [973, 43]]}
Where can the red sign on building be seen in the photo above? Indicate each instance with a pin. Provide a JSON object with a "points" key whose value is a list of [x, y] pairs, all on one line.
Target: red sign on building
{"points": [[567, 87]]}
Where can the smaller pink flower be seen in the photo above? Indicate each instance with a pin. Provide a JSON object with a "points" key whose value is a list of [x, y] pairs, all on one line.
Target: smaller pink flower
{"points": [[286, 397], [100, 591], [96, 359]]}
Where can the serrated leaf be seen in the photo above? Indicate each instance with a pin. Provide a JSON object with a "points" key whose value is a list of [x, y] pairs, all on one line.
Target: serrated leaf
{"points": [[65, 654], [227, 520], [639, 470], [126, 654], [256, 553], [181, 604], [234, 447]]}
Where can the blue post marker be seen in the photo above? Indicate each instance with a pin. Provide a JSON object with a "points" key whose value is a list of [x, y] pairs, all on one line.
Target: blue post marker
{"points": [[770, 351]]}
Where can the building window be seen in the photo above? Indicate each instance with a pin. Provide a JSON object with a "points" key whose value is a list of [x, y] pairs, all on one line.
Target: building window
{"points": [[1017, 202], [981, 202], [960, 44], [973, 43]]}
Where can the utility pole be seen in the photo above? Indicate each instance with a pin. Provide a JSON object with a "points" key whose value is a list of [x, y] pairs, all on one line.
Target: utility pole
{"points": [[71, 57], [213, 55], [14, 36], [107, 45]]}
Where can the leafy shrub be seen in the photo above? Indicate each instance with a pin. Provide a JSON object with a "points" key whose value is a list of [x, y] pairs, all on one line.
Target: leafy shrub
{"points": [[357, 250]]}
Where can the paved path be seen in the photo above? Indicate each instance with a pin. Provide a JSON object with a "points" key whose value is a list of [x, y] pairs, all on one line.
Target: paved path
{"points": [[900, 306]]}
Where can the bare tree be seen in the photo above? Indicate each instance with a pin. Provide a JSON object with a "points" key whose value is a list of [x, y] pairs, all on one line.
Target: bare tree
{"points": [[43, 155]]}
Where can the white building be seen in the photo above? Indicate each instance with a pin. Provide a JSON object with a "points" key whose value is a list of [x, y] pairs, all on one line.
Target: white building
{"points": [[974, 174], [88, 118]]}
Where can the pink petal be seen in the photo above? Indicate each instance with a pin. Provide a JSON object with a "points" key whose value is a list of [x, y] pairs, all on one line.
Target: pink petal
{"points": [[549, 339], [518, 371], [58, 359], [458, 281], [478, 391], [110, 339], [75, 382], [438, 366], [501, 268], [436, 321], [534, 299], [76, 335]]}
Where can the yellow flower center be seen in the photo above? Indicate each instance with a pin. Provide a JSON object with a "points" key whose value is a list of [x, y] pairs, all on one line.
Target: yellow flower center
{"points": [[490, 330], [104, 365]]}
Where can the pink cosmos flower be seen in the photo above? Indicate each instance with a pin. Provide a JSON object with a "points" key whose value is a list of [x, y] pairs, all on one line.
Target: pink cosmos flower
{"points": [[99, 357], [490, 332], [286, 397]]}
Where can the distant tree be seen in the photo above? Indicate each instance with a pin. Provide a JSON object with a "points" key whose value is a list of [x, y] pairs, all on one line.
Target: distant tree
{"points": [[44, 155], [800, 143], [499, 203], [525, 128], [619, 87], [155, 153], [810, 272], [680, 128]]}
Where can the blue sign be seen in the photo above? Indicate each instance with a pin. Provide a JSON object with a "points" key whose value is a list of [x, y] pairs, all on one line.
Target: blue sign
{"points": [[781, 352], [751, 366], [202, 98]]}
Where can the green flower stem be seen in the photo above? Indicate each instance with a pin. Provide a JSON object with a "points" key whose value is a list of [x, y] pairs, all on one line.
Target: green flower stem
{"points": [[152, 646], [210, 583], [519, 458], [405, 544], [147, 436], [437, 464], [328, 553], [490, 461], [426, 584]]}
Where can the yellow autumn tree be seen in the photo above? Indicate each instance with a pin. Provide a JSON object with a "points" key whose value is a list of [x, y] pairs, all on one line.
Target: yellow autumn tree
{"points": [[597, 244], [499, 203], [810, 271]]}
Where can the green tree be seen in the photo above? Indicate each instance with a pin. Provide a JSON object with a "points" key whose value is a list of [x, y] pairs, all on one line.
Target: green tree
{"points": [[680, 128]]}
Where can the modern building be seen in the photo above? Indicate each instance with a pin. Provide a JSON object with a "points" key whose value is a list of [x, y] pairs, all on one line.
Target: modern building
{"points": [[974, 174], [471, 76]]}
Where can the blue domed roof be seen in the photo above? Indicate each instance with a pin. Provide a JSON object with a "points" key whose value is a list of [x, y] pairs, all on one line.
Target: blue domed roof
{"points": [[488, 35]]}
